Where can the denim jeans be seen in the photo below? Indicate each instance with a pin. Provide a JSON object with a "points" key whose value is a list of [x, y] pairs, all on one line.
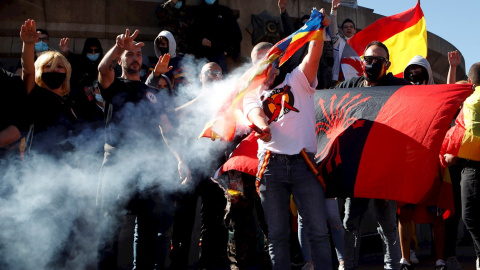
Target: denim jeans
{"points": [[336, 229], [286, 175], [386, 211], [470, 194]]}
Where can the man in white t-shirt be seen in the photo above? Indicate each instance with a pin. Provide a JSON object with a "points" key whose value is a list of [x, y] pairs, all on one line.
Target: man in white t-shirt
{"points": [[284, 109]]}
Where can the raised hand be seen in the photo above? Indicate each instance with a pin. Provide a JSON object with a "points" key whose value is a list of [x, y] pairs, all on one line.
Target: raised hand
{"points": [[335, 4], [454, 58], [162, 65], [28, 32], [282, 5], [326, 19], [64, 45], [127, 41]]}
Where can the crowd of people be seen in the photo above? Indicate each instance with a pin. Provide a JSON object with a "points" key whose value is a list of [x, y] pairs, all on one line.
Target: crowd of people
{"points": [[64, 112]]}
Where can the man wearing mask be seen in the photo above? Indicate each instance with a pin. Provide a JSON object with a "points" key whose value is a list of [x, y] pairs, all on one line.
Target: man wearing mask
{"points": [[166, 51], [175, 17], [375, 65], [418, 71]]}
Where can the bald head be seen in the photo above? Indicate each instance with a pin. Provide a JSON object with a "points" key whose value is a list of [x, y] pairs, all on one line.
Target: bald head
{"points": [[210, 72], [260, 50]]}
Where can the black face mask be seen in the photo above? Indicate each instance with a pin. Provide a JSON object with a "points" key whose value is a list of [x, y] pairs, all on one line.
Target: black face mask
{"points": [[53, 79], [374, 71], [163, 50], [417, 79]]}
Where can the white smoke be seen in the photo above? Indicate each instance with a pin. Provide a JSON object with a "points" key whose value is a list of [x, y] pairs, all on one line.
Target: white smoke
{"points": [[49, 210]]}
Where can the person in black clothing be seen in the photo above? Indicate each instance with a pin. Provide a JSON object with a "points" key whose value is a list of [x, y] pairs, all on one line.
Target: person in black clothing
{"points": [[375, 64], [84, 78], [137, 167], [206, 156], [48, 84], [12, 109], [215, 33]]}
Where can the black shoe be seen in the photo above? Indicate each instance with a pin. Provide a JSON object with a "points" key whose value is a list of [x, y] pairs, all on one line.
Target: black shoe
{"points": [[440, 267], [406, 267]]}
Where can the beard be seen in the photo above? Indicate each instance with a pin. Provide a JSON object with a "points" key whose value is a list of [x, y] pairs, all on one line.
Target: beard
{"points": [[131, 69]]}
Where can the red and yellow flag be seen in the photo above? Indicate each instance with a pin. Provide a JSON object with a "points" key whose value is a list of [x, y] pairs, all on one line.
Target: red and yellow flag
{"points": [[223, 126], [404, 34]]}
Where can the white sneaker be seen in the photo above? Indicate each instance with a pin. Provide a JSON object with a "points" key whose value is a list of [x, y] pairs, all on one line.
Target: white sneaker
{"points": [[477, 264], [453, 264], [413, 257], [341, 266]]}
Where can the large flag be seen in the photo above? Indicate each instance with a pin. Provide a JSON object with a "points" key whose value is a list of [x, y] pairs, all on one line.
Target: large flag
{"points": [[384, 142], [404, 34], [463, 139], [223, 126]]}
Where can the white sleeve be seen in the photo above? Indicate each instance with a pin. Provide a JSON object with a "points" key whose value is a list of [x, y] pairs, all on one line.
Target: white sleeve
{"points": [[251, 100]]}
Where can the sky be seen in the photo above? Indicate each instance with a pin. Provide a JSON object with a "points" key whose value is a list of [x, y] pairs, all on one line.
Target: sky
{"points": [[453, 21]]}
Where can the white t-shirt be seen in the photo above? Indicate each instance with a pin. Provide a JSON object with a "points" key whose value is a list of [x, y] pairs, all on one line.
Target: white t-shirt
{"points": [[293, 126]]}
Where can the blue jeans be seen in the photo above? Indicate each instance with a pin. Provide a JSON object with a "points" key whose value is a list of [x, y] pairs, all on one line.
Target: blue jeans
{"points": [[286, 175], [386, 212], [336, 229]]}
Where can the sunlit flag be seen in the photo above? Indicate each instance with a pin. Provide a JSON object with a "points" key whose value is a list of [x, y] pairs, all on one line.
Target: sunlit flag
{"points": [[404, 34], [223, 126]]}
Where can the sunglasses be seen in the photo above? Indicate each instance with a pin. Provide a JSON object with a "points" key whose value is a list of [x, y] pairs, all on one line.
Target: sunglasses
{"points": [[377, 59], [215, 73]]}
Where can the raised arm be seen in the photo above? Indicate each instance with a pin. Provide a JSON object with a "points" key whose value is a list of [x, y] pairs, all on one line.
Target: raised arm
{"points": [[454, 59], [29, 35], [310, 62], [287, 24], [106, 72], [333, 17]]}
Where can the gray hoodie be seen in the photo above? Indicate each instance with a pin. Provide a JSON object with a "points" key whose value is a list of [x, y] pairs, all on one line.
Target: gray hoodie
{"points": [[421, 61], [172, 44]]}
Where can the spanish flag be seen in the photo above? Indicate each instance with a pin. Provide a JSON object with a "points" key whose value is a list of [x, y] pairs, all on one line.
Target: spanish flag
{"points": [[404, 34], [463, 139], [223, 126]]}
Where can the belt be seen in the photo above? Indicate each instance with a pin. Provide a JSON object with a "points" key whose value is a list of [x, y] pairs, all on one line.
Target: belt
{"points": [[286, 157], [468, 163]]}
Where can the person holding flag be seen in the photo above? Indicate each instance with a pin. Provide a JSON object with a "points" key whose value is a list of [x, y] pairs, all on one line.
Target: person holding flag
{"points": [[284, 110], [461, 146], [375, 65]]}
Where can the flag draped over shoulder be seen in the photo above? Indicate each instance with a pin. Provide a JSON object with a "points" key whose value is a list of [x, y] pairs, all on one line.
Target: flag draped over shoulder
{"points": [[404, 34], [463, 139], [383, 142], [223, 126]]}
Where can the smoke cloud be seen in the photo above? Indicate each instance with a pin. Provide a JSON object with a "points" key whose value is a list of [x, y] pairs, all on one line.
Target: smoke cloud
{"points": [[49, 208]]}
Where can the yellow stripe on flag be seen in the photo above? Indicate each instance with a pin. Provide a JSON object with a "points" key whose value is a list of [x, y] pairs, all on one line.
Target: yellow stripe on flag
{"points": [[405, 45]]}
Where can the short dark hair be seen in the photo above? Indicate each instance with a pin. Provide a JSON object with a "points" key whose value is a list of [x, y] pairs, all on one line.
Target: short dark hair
{"points": [[474, 74], [43, 31], [348, 21], [379, 44]]}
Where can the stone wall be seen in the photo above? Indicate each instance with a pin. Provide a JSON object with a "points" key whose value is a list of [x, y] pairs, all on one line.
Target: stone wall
{"points": [[105, 19]]}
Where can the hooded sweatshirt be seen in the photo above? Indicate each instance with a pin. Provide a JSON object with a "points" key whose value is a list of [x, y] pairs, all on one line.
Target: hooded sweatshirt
{"points": [[421, 61], [172, 45]]}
